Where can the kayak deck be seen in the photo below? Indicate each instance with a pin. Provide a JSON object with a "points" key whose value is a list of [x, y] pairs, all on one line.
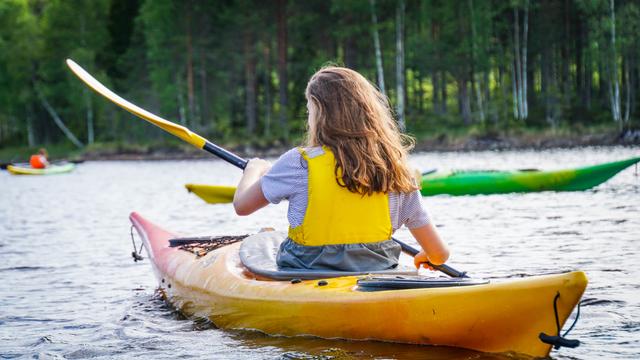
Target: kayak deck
{"points": [[495, 317]]}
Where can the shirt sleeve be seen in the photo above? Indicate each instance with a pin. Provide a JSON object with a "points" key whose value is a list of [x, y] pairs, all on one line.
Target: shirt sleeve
{"points": [[287, 176], [410, 211]]}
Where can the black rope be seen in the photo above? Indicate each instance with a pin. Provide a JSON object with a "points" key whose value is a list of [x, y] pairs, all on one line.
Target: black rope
{"points": [[136, 254], [560, 341], [574, 320], [555, 311]]}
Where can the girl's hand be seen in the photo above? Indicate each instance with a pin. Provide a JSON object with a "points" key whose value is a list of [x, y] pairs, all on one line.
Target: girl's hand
{"points": [[257, 166], [421, 259]]}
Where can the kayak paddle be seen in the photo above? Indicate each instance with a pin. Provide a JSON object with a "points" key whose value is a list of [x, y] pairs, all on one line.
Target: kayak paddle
{"points": [[198, 141], [174, 129]]}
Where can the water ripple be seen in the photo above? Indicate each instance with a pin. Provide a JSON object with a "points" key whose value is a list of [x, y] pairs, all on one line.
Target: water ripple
{"points": [[70, 289]]}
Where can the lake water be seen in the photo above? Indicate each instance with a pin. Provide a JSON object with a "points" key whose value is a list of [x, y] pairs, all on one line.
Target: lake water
{"points": [[69, 287]]}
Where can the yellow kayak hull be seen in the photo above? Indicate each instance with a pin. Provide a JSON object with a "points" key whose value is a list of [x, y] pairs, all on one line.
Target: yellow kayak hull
{"points": [[504, 316], [51, 170]]}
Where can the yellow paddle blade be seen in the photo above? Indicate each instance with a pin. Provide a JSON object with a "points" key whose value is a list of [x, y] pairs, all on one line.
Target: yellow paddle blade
{"points": [[175, 129], [213, 194]]}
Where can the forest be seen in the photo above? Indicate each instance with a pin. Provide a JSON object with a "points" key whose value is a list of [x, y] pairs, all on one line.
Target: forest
{"points": [[235, 70]]}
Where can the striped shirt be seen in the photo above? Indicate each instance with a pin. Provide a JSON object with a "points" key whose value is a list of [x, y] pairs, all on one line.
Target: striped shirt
{"points": [[288, 180]]}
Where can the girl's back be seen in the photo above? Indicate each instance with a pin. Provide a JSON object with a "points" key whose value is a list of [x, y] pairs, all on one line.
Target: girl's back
{"points": [[349, 189]]}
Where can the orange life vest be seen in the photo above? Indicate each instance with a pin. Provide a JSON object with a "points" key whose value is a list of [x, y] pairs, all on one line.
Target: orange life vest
{"points": [[38, 161]]}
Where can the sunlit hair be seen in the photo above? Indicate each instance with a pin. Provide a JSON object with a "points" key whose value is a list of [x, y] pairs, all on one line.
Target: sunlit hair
{"points": [[353, 119]]}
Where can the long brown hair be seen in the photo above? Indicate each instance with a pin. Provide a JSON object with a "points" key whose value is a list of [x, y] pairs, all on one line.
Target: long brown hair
{"points": [[353, 119]]}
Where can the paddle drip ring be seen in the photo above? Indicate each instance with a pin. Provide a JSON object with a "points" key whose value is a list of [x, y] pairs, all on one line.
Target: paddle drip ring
{"points": [[136, 254]]}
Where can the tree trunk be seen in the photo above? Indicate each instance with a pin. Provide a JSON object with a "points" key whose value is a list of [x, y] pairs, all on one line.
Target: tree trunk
{"points": [[182, 111], [267, 89], [419, 93], [250, 82], [204, 112], [633, 81], [627, 83], [546, 85], [614, 87], [566, 83], [523, 76], [517, 81], [400, 64], [376, 44], [58, 120], [474, 56], [443, 91], [514, 85], [437, 78], [350, 52], [89, 114], [517, 67], [588, 79], [435, 99], [463, 101], [580, 73], [31, 139], [190, 82], [282, 65]]}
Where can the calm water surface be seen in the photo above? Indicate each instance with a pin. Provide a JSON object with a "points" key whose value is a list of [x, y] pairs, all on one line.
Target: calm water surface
{"points": [[69, 288]]}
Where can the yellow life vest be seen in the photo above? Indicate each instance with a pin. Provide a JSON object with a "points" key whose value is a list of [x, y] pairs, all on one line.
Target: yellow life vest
{"points": [[336, 215]]}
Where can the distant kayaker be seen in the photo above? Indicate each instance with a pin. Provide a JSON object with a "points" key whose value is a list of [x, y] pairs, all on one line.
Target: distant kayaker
{"points": [[349, 188], [39, 160]]}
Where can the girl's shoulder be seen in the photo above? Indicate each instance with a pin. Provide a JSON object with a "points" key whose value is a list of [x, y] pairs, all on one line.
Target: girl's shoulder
{"points": [[292, 159], [299, 154], [308, 151]]}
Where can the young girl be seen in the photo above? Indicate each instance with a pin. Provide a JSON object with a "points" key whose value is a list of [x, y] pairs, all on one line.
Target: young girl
{"points": [[349, 189]]}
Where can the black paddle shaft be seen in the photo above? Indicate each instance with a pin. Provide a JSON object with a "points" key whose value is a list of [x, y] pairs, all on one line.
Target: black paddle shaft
{"points": [[241, 163], [225, 155]]}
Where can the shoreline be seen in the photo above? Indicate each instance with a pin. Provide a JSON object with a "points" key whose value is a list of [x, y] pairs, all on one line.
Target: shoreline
{"points": [[441, 143]]}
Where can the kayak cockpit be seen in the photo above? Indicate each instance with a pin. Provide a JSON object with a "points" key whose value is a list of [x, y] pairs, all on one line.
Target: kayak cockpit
{"points": [[257, 259], [258, 254]]}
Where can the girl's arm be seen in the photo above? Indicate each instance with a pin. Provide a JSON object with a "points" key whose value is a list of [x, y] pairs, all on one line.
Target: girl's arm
{"points": [[433, 250], [249, 197]]}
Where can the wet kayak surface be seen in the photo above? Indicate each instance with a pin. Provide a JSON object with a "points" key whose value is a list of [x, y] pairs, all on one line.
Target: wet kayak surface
{"points": [[69, 287]]}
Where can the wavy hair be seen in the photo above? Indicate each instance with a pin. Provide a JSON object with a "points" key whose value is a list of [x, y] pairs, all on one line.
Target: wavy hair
{"points": [[353, 119]]}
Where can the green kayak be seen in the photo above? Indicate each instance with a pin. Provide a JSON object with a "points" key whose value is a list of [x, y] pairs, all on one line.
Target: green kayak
{"points": [[500, 182], [469, 182]]}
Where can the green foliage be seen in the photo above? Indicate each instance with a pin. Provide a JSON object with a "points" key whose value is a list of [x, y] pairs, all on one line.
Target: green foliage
{"points": [[190, 61], [18, 45]]}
